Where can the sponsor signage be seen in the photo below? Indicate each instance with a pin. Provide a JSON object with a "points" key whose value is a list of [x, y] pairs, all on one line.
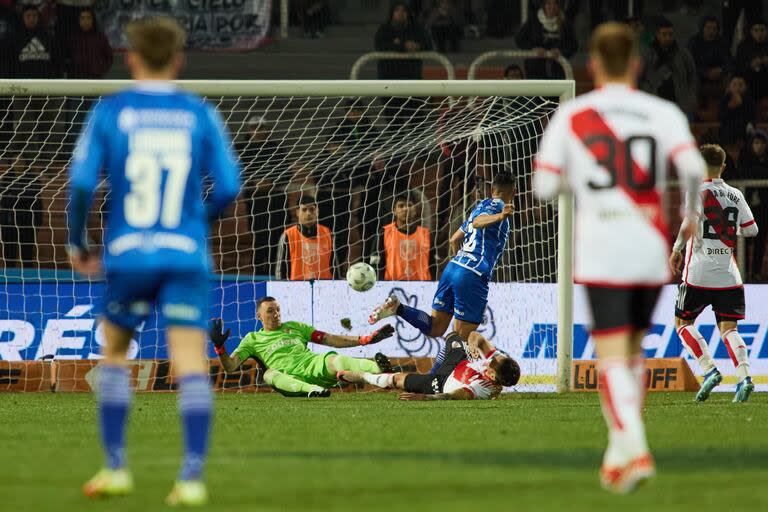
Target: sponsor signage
{"points": [[661, 374]]}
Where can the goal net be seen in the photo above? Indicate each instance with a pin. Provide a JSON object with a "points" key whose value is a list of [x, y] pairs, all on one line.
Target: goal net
{"points": [[328, 180]]}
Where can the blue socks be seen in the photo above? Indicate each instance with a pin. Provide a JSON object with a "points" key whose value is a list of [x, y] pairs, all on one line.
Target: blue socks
{"points": [[195, 404], [417, 318], [114, 397]]}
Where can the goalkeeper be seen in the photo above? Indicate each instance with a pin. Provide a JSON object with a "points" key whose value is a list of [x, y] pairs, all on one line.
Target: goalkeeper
{"points": [[291, 368]]}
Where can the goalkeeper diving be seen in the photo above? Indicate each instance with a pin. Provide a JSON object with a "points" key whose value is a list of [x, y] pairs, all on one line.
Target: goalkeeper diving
{"points": [[291, 368]]}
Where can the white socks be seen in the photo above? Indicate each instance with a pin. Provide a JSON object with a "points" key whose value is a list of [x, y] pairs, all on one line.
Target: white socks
{"points": [[637, 368], [737, 349], [381, 380], [620, 398], [697, 347]]}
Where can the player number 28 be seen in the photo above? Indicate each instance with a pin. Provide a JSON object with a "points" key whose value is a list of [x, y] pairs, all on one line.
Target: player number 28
{"points": [[143, 204]]}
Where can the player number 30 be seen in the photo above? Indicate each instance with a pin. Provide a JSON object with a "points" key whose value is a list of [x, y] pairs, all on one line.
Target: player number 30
{"points": [[146, 202]]}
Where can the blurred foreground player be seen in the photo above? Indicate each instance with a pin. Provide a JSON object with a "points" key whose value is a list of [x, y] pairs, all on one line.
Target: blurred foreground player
{"points": [[471, 371], [156, 146], [612, 148], [711, 275]]}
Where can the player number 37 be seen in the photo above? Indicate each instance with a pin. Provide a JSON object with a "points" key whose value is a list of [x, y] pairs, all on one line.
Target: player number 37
{"points": [[145, 203]]}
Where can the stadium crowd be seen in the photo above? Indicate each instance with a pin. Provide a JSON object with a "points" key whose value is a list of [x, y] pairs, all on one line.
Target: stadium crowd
{"points": [[334, 215]]}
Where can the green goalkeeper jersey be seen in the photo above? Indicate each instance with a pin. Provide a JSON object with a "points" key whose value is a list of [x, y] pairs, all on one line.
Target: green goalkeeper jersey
{"points": [[282, 349]]}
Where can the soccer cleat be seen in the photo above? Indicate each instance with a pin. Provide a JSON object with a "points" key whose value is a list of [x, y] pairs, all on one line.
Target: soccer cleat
{"points": [[319, 393], [109, 482], [743, 390], [383, 362], [386, 309], [626, 479], [188, 493], [711, 379]]}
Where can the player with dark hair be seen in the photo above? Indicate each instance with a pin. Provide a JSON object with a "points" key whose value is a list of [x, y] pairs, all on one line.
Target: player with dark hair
{"points": [[157, 146], [711, 276], [293, 369], [475, 370], [613, 147], [462, 292]]}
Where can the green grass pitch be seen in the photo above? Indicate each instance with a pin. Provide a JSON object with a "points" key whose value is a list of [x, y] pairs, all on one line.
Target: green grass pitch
{"points": [[365, 452]]}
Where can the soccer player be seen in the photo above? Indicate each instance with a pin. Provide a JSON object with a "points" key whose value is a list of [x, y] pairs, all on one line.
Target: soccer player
{"points": [[155, 145], [293, 369], [479, 375], [612, 147], [711, 276], [462, 292]]}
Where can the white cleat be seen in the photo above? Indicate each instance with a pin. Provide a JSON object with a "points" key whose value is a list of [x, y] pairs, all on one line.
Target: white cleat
{"points": [[187, 493], [385, 310]]}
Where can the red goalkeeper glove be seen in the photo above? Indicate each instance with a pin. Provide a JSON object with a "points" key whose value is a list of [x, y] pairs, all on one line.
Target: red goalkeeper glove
{"points": [[377, 336]]}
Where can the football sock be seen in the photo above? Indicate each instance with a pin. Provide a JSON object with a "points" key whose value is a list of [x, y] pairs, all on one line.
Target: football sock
{"points": [[353, 364], [637, 368], [288, 384], [416, 317], [737, 349], [697, 347], [382, 380], [439, 358], [620, 398], [114, 396], [195, 404]]}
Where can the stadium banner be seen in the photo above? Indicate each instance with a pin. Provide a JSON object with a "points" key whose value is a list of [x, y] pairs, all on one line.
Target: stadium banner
{"points": [[210, 24], [661, 374]]}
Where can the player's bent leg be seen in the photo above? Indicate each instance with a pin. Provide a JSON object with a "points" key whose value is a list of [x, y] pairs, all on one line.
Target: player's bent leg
{"points": [[291, 386], [114, 399], [697, 346], [190, 367], [464, 328], [339, 362], [737, 350], [637, 364]]}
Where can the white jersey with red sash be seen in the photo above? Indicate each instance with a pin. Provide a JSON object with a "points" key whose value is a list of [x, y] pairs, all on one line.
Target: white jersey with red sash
{"points": [[471, 376]]}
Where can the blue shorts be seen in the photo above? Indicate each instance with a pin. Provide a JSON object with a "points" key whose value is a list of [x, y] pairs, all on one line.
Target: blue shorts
{"points": [[181, 298], [462, 293]]}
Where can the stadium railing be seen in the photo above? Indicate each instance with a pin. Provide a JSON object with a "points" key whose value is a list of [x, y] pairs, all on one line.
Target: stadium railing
{"points": [[517, 54], [361, 61]]}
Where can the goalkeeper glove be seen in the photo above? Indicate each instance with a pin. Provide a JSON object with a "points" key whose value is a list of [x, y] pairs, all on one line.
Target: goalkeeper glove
{"points": [[218, 337], [377, 336]]}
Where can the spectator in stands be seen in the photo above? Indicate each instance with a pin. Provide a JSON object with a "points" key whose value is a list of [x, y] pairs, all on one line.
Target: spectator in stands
{"points": [[755, 44], [756, 76], [547, 33], [514, 72], [257, 149], [305, 249], [89, 53], [753, 165], [446, 26], [644, 37], [68, 18], [315, 15], [713, 60], [405, 243], [356, 128], [670, 71], [737, 112], [401, 33], [20, 211], [35, 55]]}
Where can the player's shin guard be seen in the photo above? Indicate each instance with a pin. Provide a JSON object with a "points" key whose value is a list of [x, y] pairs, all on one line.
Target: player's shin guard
{"points": [[114, 401], [352, 364], [195, 406], [417, 318], [697, 346], [620, 398], [737, 349]]}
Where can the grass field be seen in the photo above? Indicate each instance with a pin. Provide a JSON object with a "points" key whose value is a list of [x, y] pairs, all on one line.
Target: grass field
{"points": [[366, 452]]}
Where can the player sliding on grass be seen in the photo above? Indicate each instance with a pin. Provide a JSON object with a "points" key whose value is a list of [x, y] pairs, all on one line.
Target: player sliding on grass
{"points": [[157, 147], [292, 369], [613, 148], [472, 371], [711, 276], [462, 292]]}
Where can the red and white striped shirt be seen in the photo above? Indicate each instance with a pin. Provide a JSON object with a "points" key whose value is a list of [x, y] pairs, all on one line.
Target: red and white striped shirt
{"points": [[471, 376]]}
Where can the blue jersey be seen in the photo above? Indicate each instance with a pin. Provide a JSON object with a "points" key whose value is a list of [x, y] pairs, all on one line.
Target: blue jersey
{"points": [[482, 247], [159, 149]]}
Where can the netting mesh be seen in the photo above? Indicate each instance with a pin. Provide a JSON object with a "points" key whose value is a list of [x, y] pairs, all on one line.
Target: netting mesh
{"points": [[354, 155]]}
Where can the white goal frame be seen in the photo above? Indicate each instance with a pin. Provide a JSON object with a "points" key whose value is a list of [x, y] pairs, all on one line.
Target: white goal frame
{"points": [[564, 89]]}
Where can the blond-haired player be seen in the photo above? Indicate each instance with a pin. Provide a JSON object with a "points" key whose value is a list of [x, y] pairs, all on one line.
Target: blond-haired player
{"points": [[711, 276], [612, 147]]}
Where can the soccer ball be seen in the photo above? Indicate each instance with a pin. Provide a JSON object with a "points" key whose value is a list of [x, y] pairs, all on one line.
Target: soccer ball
{"points": [[361, 277]]}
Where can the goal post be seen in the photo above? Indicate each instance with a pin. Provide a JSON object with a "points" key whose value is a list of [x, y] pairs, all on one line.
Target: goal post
{"points": [[500, 130]]}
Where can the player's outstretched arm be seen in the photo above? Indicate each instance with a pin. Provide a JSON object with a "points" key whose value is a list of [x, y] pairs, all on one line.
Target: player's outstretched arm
{"points": [[485, 220], [456, 240], [218, 338], [341, 341]]}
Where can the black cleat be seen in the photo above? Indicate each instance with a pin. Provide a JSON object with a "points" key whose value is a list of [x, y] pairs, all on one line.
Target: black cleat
{"points": [[384, 364], [324, 393]]}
